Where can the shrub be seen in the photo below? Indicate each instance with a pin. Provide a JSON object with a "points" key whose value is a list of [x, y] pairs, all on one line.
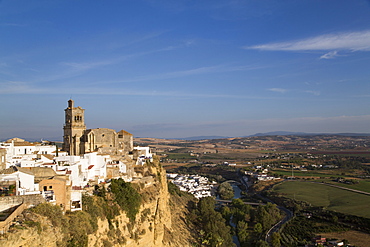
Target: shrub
{"points": [[127, 197]]}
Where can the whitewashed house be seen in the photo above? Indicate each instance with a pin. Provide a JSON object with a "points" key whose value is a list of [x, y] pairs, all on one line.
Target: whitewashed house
{"points": [[143, 154], [23, 179], [20, 152], [81, 170]]}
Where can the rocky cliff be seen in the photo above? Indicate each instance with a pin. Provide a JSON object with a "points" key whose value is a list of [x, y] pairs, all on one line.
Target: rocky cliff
{"points": [[160, 221]]}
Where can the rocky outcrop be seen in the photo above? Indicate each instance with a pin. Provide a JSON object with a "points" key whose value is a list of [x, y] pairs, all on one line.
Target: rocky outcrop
{"points": [[153, 226], [151, 223]]}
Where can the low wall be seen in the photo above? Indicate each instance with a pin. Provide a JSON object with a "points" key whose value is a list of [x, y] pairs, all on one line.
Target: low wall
{"points": [[33, 200], [11, 201], [4, 225], [23, 202]]}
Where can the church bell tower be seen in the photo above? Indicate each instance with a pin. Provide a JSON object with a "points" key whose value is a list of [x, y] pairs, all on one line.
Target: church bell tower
{"points": [[74, 129]]}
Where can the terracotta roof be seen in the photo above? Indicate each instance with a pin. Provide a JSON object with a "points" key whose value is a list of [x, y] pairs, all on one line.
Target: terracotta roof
{"points": [[15, 139], [90, 166], [16, 144], [48, 156], [124, 132]]}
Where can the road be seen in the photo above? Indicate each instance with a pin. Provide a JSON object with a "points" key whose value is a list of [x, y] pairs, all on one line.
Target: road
{"points": [[288, 214], [344, 188], [249, 203], [277, 226]]}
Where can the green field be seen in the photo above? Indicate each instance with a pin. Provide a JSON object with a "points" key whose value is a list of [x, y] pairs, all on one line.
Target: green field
{"points": [[180, 156], [325, 196], [363, 185], [297, 173]]}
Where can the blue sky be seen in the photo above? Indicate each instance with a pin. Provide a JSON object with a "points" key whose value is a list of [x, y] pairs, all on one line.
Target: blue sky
{"points": [[164, 68]]}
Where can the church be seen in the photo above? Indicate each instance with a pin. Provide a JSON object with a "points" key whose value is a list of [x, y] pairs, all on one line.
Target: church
{"points": [[77, 140]]}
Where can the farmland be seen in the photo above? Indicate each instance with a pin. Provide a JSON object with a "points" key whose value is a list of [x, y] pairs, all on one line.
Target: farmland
{"points": [[321, 195], [303, 161], [307, 174]]}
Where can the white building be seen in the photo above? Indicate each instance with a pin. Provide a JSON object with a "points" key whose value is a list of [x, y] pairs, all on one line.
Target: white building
{"points": [[20, 151], [144, 154], [23, 179], [196, 185], [82, 169]]}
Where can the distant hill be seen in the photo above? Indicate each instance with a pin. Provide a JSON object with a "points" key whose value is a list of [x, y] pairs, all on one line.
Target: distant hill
{"points": [[51, 139], [197, 138], [279, 133], [285, 133], [273, 133]]}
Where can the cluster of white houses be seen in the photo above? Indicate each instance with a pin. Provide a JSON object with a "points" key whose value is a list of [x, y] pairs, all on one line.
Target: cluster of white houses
{"points": [[60, 176], [194, 184], [259, 176]]}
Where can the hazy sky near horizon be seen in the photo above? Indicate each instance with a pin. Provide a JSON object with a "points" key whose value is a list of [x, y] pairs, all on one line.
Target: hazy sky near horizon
{"points": [[164, 68]]}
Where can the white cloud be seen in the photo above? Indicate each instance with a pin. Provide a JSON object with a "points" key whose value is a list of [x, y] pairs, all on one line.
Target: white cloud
{"points": [[283, 90], [329, 55], [19, 87], [279, 90], [316, 93], [183, 73], [12, 25], [352, 41]]}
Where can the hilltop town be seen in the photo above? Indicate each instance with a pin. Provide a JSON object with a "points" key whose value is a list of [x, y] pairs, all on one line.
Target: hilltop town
{"points": [[116, 185], [89, 157]]}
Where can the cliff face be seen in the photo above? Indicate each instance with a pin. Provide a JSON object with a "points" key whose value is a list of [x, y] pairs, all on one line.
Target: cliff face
{"points": [[151, 223], [160, 222], [40, 233]]}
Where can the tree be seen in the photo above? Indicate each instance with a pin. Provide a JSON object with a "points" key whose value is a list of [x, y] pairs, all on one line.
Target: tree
{"points": [[242, 231], [226, 212], [215, 231], [258, 228], [275, 239], [267, 215], [262, 243], [226, 191]]}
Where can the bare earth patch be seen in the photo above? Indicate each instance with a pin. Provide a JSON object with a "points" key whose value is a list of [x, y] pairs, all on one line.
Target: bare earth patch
{"points": [[356, 238]]}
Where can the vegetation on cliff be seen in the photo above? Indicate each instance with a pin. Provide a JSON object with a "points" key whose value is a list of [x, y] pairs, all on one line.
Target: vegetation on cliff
{"points": [[74, 226], [126, 196]]}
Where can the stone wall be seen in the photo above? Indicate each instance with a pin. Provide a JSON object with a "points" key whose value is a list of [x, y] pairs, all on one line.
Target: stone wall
{"points": [[11, 201], [2, 158]]}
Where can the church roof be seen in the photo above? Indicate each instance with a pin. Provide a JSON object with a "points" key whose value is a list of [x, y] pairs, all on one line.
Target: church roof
{"points": [[124, 132]]}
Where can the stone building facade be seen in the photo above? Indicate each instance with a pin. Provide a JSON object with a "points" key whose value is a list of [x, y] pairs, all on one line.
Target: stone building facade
{"points": [[78, 140], [2, 158]]}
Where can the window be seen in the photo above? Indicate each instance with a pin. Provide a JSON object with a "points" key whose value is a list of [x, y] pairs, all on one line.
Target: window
{"points": [[50, 187]]}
